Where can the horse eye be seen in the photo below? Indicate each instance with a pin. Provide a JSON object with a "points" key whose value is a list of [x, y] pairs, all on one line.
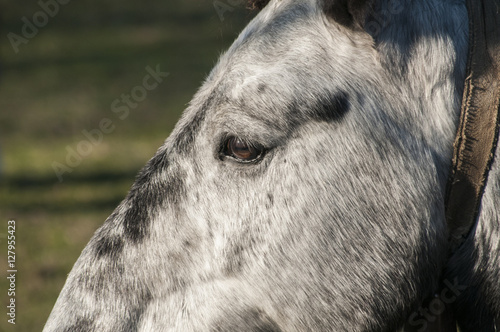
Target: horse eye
{"points": [[241, 150]]}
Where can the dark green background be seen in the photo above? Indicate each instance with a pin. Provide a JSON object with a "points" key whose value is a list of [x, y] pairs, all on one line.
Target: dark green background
{"points": [[62, 82]]}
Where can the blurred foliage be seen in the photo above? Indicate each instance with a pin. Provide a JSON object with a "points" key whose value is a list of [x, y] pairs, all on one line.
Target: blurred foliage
{"points": [[62, 82]]}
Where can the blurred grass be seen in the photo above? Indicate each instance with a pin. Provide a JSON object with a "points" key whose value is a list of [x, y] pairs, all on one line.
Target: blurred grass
{"points": [[63, 82]]}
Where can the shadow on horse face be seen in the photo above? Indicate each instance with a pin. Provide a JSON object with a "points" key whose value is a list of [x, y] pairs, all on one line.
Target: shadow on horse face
{"points": [[302, 190]]}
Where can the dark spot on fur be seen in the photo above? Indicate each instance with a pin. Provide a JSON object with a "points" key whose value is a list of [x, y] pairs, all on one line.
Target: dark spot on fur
{"points": [[137, 221], [257, 4], [149, 193], [253, 320], [135, 314], [185, 138], [270, 200], [326, 107], [331, 108], [110, 246], [234, 259], [261, 88], [81, 325]]}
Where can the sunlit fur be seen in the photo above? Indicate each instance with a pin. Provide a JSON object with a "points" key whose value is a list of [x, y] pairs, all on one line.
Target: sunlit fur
{"points": [[340, 226]]}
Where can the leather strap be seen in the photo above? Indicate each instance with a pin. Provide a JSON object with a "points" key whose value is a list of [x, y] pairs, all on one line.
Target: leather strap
{"points": [[477, 134]]}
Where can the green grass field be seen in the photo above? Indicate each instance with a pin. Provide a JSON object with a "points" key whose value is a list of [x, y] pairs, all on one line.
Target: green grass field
{"points": [[63, 82]]}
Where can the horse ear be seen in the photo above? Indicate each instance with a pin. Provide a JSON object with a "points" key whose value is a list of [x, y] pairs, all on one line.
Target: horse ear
{"points": [[257, 4], [349, 13]]}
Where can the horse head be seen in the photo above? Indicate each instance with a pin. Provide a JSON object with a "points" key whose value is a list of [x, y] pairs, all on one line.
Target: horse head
{"points": [[302, 189]]}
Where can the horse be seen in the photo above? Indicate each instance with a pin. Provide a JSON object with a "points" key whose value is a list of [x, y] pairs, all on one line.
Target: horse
{"points": [[304, 187]]}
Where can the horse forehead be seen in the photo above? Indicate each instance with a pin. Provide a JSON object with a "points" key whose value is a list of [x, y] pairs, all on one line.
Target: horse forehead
{"points": [[282, 26], [290, 45], [245, 85], [286, 64], [283, 61]]}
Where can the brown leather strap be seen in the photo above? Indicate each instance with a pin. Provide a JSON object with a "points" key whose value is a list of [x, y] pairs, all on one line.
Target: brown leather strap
{"points": [[477, 134]]}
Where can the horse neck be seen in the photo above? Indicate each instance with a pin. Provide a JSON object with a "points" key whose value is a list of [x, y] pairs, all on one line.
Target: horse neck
{"points": [[422, 47]]}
